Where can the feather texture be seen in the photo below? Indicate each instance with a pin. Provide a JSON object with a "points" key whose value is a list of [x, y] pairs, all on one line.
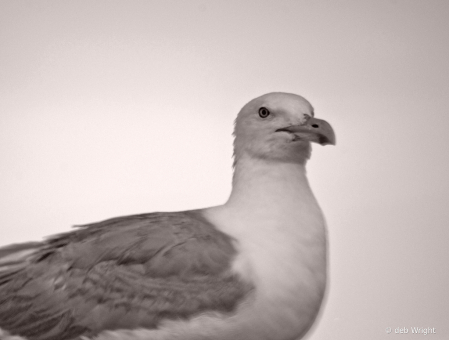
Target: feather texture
{"points": [[127, 272]]}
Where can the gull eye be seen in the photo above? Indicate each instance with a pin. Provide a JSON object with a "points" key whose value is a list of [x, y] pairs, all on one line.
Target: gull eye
{"points": [[264, 112]]}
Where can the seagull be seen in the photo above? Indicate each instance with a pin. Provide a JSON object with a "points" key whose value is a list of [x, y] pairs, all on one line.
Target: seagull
{"points": [[253, 268]]}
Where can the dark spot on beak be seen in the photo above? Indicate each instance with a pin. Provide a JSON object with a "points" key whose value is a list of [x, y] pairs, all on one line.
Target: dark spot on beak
{"points": [[323, 140]]}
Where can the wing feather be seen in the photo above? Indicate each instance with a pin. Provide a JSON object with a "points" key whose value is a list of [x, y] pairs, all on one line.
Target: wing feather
{"points": [[122, 273]]}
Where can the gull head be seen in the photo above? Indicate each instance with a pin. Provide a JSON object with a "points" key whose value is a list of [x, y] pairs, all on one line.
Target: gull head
{"points": [[279, 127]]}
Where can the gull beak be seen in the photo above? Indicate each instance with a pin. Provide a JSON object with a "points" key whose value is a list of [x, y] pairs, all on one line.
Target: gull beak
{"points": [[314, 130]]}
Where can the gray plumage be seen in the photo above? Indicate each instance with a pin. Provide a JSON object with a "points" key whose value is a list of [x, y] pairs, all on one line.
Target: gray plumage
{"points": [[126, 272]]}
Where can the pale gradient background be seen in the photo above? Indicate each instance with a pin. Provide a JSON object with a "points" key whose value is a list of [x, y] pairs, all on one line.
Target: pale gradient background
{"points": [[110, 108]]}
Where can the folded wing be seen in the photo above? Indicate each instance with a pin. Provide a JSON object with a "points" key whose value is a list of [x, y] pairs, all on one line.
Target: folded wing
{"points": [[123, 273]]}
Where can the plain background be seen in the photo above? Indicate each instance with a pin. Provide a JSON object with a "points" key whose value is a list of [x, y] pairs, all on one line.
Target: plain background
{"points": [[110, 108]]}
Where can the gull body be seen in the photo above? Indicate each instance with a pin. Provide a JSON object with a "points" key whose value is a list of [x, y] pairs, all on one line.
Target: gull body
{"points": [[260, 258]]}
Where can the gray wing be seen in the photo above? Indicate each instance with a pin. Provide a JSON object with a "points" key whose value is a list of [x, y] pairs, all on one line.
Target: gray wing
{"points": [[123, 273]]}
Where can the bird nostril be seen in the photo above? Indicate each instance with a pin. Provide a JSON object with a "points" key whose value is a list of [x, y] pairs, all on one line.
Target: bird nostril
{"points": [[315, 125]]}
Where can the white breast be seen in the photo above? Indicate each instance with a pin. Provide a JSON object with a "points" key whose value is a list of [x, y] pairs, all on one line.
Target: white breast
{"points": [[284, 255]]}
